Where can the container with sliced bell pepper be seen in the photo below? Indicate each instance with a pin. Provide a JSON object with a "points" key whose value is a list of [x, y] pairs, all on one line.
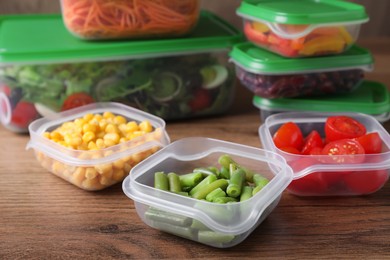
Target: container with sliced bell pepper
{"points": [[302, 28]]}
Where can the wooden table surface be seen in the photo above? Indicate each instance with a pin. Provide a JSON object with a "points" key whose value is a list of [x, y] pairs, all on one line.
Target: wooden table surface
{"points": [[44, 217]]}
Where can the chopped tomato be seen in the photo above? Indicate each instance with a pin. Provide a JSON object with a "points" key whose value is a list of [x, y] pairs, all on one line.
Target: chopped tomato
{"points": [[23, 114], [254, 35], [372, 143], [343, 127], [288, 135], [312, 141], [77, 100], [344, 151], [290, 149], [311, 184], [201, 100], [365, 182]]}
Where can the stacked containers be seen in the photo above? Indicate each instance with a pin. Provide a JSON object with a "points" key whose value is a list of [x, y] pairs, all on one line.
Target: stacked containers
{"points": [[302, 57], [306, 49], [173, 78]]}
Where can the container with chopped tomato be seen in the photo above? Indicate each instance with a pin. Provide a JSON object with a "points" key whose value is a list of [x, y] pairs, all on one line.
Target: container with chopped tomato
{"points": [[302, 28], [269, 75], [372, 98], [175, 78], [331, 154], [95, 146], [206, 190]]}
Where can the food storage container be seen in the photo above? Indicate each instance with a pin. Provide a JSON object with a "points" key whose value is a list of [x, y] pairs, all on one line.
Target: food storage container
{"points": [[269, 75], [82, 145], [170, 78], [302, 28], [341, 168], [129, 19], [372, 98], [210, 223]]}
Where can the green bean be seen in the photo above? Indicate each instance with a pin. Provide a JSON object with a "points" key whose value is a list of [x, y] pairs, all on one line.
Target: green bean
{"points": [[191, 179], [246, 193], [167, 217], [196, 224], [202, 193], [208, 236], [225, 160], [209, 179], [183, 193], [204, 171], [260, 182], [185, 232], [215, 194], [161, 181], [224, 173], [237, 181], [214, 170], [223, 200], [174, 182]]}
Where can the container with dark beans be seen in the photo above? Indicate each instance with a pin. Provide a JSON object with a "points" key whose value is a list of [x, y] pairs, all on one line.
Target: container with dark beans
{"points": [[306, 84]]}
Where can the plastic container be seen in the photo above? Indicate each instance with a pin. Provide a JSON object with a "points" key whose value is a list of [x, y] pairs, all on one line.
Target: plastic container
{"points": [[172, 78], [302, 28], [95, 169], [213, 224], [129, 19], [372, 98], [269, 75], [330, 175]]}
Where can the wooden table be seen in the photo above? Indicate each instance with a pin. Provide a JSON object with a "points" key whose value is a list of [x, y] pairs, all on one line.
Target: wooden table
{"points": [[44, 217]]}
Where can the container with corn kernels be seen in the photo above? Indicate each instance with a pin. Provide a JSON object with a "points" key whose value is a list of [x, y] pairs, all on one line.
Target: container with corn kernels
{"points": [[96, 145]]}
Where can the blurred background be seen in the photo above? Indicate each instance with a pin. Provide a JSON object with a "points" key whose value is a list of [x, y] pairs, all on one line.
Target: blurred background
{"points": [[378, 10]]}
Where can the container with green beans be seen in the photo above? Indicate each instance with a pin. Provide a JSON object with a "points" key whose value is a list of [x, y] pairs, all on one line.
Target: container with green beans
{"points": [[207, 190]]}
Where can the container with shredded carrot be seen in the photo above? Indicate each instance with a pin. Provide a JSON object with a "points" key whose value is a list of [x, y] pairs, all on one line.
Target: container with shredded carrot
{"points": [[126, 19]]}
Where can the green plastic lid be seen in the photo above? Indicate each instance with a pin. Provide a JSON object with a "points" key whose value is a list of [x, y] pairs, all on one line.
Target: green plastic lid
{"points": [[369, 98], [44, 39], [258, 60], [303, 11]]}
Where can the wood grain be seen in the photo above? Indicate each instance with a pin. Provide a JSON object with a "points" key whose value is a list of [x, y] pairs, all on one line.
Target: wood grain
{"points": [[45, 217]]}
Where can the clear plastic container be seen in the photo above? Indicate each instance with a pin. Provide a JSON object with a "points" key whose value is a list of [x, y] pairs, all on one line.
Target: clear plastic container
{"points": [[302, 28], [269, 75], [173, 79], [213, 224], [372, 98], [330, 175], [95, 169], [129, 19]]}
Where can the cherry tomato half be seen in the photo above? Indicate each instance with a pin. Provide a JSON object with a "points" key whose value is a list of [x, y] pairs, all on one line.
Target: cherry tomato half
{"points": [[311, 184], [201, 100], [337, 151], [365, 182], [372, 143], [23, 114], [312, 141], [343, 127], [288, 135], [77, 100], [290, 149]]}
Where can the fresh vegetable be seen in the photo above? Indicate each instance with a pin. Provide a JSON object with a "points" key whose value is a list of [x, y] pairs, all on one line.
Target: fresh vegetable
{"points": [[347, 143], [23, 114], [343, 127], [320, 41], [213, 186], [134, 19], [288, 135], [77, 100]]}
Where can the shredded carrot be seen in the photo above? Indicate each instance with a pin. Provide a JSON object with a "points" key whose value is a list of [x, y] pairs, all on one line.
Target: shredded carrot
{"points": [[111, 19]]}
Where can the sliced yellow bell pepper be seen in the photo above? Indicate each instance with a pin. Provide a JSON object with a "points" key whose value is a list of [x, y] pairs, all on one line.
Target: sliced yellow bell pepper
{"points": [[261, 27], [346, 35], [323, 44]]}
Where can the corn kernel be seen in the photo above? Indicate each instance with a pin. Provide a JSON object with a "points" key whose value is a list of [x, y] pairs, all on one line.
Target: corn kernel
{"points": [[118, 164], [109, 142], [114, 137], [92, 184], [119, 120], [104, 168], [145, 126], [88, 136], [56, 135], [100, 143], [89, 128], [111, 128], [79, 121], [90, 173], [105, 181], [78, 175], [88, 117], [108, 115], [132, 126], [92, 146], [103, 124], [118, 175]]}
